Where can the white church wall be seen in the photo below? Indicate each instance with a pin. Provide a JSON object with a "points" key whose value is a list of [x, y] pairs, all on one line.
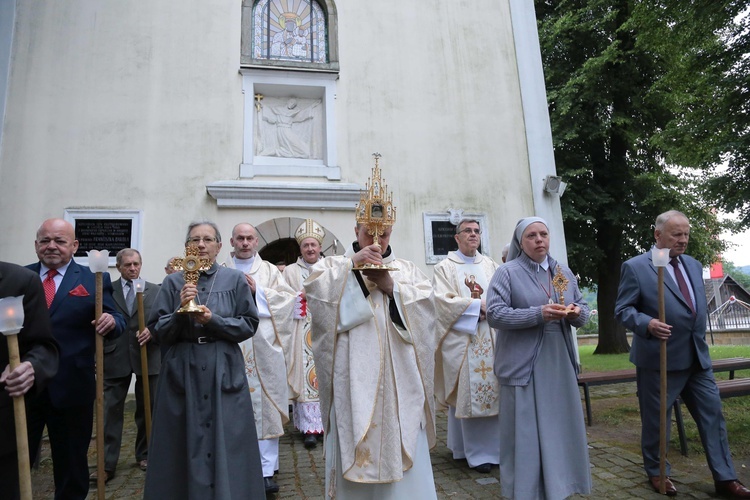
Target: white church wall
{"points": [[140, 106]]}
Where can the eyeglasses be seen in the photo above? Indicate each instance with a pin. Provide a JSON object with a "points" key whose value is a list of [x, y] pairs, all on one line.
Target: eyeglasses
{"points": [[470, 230], [206, 240]]}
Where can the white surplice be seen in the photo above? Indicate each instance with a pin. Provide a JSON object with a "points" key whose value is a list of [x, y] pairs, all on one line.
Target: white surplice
{"points": [[464, 379], [265, 365]]}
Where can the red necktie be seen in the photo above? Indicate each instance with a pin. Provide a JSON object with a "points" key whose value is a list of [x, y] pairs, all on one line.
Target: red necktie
{"points": [[682, 283], [49, 286]]}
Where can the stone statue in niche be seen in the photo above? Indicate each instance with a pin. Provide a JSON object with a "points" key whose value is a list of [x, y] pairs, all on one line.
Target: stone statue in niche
{"points": [[288, 127]]}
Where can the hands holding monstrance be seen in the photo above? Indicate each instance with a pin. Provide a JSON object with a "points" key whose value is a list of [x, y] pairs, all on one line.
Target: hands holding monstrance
{"points": [[191, 266], [375, 212], [560, 283]]}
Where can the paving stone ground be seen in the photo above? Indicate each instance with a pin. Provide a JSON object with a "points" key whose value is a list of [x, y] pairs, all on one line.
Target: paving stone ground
{"points": [[616, 473]]}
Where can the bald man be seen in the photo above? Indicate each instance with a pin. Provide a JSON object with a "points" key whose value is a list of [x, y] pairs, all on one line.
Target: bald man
{"points": [[66, 406], [265, 364]]}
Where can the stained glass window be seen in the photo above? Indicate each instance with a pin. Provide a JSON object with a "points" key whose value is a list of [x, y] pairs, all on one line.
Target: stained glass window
{"points": [[289, 30]]}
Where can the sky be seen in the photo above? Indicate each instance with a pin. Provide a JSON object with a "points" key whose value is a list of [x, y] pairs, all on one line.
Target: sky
{"points": [[740, 254]]}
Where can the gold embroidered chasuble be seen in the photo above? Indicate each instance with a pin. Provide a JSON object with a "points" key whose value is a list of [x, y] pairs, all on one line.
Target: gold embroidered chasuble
{"points": [[378, 376], [265, 365], [463, 362], [303, 378]]}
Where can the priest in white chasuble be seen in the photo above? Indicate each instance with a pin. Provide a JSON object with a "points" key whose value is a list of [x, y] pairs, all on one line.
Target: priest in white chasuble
{"points": [[303, 378], [373, 339], [265, 365], [464, 380]]}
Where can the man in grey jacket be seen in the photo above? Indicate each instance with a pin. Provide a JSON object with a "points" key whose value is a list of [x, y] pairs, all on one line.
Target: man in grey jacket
{"points": [[689, 372], [122, 359]]}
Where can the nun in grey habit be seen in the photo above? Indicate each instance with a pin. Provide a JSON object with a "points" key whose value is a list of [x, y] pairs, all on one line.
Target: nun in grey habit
{"points": [[544, 453]]}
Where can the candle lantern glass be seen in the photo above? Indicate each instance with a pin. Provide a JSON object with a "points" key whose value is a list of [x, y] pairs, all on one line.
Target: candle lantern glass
{"points": [[660, 257], [98, 260], [11, 315]]}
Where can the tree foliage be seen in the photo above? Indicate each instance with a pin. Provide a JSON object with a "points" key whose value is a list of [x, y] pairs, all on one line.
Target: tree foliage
{"points": [[711, 129], [737, 274], [620, 91]]}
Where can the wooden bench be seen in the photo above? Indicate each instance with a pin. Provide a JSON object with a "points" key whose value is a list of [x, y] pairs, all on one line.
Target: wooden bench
{"points": [[727, 389], [591, 379]]}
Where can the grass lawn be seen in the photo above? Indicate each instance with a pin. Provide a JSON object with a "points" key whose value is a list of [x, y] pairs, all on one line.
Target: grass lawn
{"points": [[736, 410]]}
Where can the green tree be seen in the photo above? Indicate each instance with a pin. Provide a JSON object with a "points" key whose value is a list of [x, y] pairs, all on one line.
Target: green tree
{"points": [[736, 273], [611, 76], [711, 128]]}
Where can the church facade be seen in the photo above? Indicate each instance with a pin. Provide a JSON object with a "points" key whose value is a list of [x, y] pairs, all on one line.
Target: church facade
{"points": [[134, 119]]}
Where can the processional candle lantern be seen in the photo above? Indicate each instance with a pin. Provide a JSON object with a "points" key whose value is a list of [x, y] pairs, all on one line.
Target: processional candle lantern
{"points": [[98, 263]]}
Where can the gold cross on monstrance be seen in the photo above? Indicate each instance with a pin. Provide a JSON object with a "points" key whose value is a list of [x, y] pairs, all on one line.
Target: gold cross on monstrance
{"points": [[191, 266], [560, 282]]}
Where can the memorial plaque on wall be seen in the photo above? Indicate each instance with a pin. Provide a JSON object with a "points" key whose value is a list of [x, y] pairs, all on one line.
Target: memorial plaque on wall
{"points": [[443, 240], [440, 234], [103, 234]]}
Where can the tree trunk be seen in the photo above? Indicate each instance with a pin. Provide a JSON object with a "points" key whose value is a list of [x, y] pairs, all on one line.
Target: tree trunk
{"points": [[612, 337]]}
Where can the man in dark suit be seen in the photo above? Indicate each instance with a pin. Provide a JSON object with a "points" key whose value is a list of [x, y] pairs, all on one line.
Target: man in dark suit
{"points": [[122, 358], [689, 372], [66, 406], [39, 358]]}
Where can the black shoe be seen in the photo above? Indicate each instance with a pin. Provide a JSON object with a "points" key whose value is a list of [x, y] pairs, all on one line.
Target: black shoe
{"points": [[270, 484], [483, 468], [311, 441]]}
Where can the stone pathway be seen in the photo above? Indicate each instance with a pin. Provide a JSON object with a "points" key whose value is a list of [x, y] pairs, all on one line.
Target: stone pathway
{"points": [[616, 473]]}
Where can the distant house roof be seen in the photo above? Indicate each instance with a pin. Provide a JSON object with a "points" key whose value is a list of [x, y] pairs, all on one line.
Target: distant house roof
{"points": [[719, 290]]}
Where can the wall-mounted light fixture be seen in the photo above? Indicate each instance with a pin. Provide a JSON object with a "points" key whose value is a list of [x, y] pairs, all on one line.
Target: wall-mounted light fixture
{"points": [[554, 184]]}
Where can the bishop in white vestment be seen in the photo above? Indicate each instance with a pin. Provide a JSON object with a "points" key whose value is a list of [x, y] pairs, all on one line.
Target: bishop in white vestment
{"points": [[265, 365], [464, 380], [303, 377], [373, 339]]}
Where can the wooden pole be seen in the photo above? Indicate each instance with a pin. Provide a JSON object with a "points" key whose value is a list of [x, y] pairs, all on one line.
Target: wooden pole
{"points": [[100, 483], [22, 438], [144, 369], [662, 392]]}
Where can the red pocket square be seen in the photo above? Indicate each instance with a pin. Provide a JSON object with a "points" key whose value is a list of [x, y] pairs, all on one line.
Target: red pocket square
{"points": [[79, 291]]}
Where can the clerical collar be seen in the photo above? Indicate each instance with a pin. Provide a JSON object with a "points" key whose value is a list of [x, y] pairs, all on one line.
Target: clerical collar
{"points": [[466, 258]]}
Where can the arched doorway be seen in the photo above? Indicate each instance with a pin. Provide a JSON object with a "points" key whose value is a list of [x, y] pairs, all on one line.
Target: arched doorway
{"points": [[278, 245]]}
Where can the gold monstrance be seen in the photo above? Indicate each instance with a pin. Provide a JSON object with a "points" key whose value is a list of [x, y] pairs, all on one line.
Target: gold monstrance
{"points": [[375, 211], [191, 266], [560, 282]]}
